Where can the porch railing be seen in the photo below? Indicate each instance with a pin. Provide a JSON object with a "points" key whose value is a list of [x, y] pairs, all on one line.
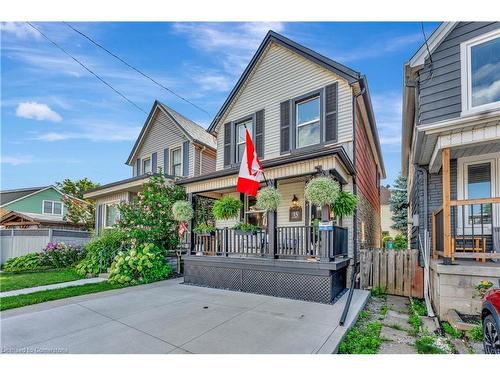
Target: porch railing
{"points": [[475, 231], [294, 242]]}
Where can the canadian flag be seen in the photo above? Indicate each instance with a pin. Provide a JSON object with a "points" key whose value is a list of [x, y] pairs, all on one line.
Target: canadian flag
{"points": [[250, 169]]}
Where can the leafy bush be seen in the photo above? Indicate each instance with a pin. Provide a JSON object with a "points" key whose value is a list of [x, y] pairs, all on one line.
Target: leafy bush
{"points": [[182, 211], [226, 208], [427, 345], [268, 199], [28, 262], [321, 191], [149, 217], [244, 227], [204, 228], [100, 252], [142, 264], [345, 204], [400, 241], [60, 255], [362, 339]]}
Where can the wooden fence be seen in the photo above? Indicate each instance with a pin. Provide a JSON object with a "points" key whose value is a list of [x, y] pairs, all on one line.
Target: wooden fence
{"points": [[396, 271]]}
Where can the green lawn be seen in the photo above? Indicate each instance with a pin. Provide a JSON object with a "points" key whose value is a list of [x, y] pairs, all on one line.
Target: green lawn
{"points": [[50, 295], [13, 281]]}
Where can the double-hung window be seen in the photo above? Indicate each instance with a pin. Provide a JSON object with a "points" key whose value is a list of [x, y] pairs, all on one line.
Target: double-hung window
{"points": [[111, 215], [480, 59], [241, 137], [52, 207], [308, 127], [479, 186], [146, 165], [176, 163]]}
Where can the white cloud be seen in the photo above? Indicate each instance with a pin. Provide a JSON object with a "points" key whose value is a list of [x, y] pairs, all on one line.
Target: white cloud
{"points": [[214, 82], [20, 29], [388, 114], [37, 111], [17, 159], [95, 132]]}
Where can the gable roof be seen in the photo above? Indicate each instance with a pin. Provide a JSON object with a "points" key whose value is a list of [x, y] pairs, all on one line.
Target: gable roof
{"points": [[191, 129], [432, 43], [7, 196], [350, 75]]}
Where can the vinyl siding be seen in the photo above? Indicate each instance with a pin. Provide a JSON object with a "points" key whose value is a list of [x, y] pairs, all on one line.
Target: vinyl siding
{"points": [[115, 197], [231, 222], [208, 160], [440, 97], [281, 75], [33, 203], [287, 191]]}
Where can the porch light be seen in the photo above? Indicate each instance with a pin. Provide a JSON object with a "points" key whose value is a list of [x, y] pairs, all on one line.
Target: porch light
{"points": [[295, 201]]}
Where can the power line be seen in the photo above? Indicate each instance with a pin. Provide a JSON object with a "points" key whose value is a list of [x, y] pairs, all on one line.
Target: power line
{"points": [[133, 68], [86, 68]]}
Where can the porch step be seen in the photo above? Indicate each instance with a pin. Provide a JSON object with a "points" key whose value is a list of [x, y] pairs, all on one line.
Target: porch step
{"points": [[457, 322]]}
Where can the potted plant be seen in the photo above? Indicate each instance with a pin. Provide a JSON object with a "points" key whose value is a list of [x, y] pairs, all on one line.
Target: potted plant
{"points": [[344, 205], [268, 199], [226, 208], [204, 230], [245, 228], [182, 211], [322, 191]]}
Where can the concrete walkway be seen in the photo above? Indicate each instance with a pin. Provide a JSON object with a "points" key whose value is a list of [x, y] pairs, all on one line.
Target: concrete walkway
{"points": [[18, 292], [170, 317]]}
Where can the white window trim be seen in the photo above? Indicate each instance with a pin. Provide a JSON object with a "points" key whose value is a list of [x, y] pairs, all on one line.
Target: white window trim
{"points": [[52, 213], [465, 67], [171, 161], [462, 182], [297, 125], [237, 125], [148, 157], [105, 209]]}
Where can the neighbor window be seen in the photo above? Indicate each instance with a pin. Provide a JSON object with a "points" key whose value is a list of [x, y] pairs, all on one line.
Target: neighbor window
{"points": [[241, 137], [52, 207], [176, 163], [111, 215], [481, 72], [479, 186], [307, 121], [146, 165]]}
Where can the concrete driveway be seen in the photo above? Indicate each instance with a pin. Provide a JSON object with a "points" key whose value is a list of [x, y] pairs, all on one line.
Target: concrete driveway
{"points": [[169, 317]]}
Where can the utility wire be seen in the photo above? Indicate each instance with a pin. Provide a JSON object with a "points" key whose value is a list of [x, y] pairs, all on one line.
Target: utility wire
{"points": [[133, 68], [431, 64], [86, 68]]}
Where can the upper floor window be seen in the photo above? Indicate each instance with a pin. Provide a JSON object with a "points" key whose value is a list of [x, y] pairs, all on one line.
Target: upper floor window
{"points": [[308, 122], [52, 207], [241, 137], [146, 165], [481, 72], [176, 163]]}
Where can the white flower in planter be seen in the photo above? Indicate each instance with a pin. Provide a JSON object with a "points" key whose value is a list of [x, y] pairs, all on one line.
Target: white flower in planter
{"points": [[268, 199], [322, 191]]}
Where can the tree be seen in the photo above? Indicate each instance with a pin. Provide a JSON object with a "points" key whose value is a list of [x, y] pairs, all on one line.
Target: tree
{"points": [[399, 204], [78, 210], [148, 218]]}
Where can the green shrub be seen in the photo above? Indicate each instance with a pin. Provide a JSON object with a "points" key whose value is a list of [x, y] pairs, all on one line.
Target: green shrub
{"points": [[182, 211], [345, 204], [476, 333], [362, 340], [204, 228], [322, 191], [455, 333], [268, 199], [28, 262], [244, 227], [143, 264], [426, 345], [226, 208], [400, 241], [60, 255], [100, 252]]}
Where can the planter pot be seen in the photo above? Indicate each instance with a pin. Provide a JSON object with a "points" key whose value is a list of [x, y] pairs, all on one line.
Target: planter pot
{"points": [[242, 232]]}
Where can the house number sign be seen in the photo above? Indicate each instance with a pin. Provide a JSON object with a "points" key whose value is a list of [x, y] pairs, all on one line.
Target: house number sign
{"points": [[295, 214]]}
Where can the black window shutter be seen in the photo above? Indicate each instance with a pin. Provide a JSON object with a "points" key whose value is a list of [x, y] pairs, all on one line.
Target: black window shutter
{"points": [[285, 126], [259, 133], [154, 162], [331, 117], [185, 158], [138, 167], [166, 155], [227, 143]]}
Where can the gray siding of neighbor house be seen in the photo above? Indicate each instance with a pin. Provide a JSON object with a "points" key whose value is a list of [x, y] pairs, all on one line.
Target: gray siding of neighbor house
{"points": [[440, 96], [434, 199]]}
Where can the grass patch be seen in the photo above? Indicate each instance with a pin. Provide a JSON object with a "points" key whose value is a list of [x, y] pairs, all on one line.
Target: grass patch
{"points": [[426, 345], [383, 310], [362, 339], [14, 281], [455, 333], [418, 306], [476, 333], [13, 302], [379, 291]]}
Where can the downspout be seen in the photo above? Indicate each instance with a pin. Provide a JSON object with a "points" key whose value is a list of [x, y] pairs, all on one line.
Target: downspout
{"points": [[424, 245], [355, 215]]}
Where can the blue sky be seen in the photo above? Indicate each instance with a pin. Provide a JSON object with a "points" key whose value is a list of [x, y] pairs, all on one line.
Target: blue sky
{"points": [[59, 122]]}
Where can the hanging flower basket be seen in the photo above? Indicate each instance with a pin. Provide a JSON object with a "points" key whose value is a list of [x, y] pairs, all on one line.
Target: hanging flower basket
{"points": [[182, 211], [345, 204], [268, 199], [226, 208], [322, 191]]}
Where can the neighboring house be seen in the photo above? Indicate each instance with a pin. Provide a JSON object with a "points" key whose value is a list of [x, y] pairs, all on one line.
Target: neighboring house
{"points": [[451, 157], [169, 142], [37, 207], [386, 221], [308, 115]]}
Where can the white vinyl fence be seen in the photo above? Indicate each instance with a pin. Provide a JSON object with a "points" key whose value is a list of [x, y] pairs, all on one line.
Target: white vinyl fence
{"points": [[17, 242]]}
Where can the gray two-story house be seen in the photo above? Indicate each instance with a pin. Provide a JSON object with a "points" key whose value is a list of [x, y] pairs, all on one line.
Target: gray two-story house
{"points": [[451, 156], [168, 142]]}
